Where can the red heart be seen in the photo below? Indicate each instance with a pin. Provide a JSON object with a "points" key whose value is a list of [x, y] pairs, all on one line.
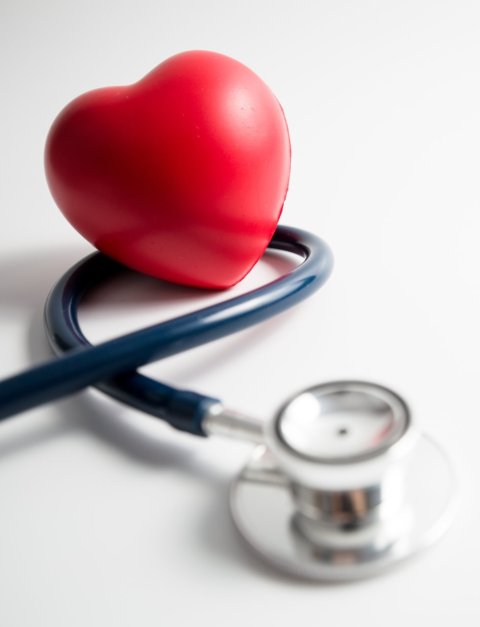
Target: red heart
{"points": [[182, 175]]}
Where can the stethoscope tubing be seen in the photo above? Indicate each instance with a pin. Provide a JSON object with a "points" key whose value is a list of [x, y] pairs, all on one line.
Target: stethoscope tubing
{"points": [[111, 366]]}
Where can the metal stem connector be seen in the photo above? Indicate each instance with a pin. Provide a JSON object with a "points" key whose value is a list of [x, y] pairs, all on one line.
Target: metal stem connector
{"points": [[232, 424]]}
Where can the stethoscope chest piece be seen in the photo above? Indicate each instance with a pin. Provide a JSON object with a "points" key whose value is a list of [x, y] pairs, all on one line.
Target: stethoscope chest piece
{"points": [[344, 486]]}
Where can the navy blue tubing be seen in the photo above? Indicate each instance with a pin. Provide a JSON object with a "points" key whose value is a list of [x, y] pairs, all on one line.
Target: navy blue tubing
{"points": [[111, 366]]}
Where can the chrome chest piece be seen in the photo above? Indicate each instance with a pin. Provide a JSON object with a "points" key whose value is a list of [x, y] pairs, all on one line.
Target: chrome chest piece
{"points": [[344, 485]]}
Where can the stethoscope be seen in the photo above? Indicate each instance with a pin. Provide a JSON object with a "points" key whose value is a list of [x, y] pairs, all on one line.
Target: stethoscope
{"points": [[341, 483]]}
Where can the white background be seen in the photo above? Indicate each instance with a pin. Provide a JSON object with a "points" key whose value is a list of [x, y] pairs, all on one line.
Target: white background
{"points": [[108, 518]]}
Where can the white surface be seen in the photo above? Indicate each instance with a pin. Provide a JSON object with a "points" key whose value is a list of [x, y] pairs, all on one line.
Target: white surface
{"points": [[109, 519]]}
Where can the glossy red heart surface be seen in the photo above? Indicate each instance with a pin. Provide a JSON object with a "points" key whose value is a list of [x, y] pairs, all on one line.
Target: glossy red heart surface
{"points": [[182, 175]]}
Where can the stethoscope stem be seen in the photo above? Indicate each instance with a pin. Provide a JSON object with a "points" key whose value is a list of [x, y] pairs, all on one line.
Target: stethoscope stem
{"points": [[229, 423]]}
